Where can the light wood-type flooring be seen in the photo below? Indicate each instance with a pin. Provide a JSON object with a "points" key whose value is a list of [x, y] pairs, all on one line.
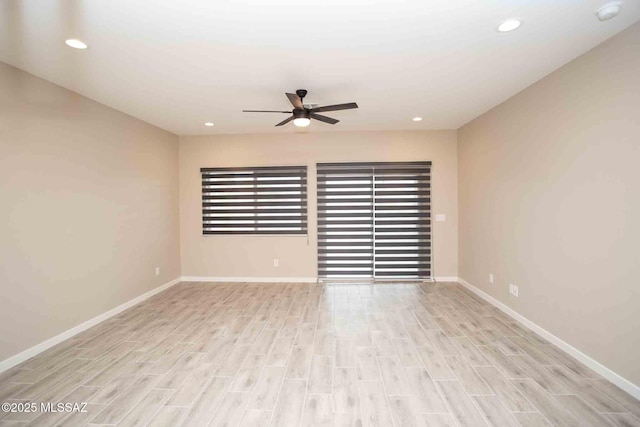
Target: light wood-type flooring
{"points": [[412, 354]]}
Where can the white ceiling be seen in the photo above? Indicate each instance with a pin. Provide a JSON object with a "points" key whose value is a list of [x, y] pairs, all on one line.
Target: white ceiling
{"points": [[179, 63]]}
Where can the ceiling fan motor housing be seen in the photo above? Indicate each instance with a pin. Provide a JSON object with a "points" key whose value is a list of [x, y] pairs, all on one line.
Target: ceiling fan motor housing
{"points": [[300, 113]]}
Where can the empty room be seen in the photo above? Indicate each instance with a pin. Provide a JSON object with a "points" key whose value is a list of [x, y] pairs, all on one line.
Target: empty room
{"points": [[367, 213]]}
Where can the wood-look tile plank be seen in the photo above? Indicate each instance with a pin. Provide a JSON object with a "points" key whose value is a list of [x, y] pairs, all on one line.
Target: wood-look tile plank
{"points": [[442, 343], [249, 372], [317, 411], [623, 420], [373, 404], [404, 411], [393, 375], [320, 375], [505, 364], [168, 416], [82, 418], [510, 396], [79, 395], [586, 390], [546, 403], [193, 384], [425, 391], [366, 364], [230, 410], [467, 376], [144, 411], [586, 415], [541, 375], [345, 390], [459, 404], [407, 353], [494, 412], [628, 402], [264, 342], [300, 361], [347, 419], [220, 349], [470, 352], [532, 419], [256, 418], [439, 420], [280, 352], [181, 370], [121, 405], [345, 354], [267, 388], [435, 364], [205, 406], [288, 411]]}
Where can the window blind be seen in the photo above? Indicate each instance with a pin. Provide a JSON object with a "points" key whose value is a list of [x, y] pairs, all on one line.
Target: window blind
{"points": [[374, 220], [254, 200]]}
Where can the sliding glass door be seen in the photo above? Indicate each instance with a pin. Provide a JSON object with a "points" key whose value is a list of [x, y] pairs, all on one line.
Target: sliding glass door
{"points": [[374, 220]]}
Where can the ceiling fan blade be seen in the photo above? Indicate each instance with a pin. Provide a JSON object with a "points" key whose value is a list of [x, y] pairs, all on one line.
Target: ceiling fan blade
{"points": [[295, 100], [337, 107], [265, 111], [284, 122], [323, 118]]}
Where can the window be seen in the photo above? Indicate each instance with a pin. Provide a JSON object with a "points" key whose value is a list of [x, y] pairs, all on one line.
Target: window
{"points": [[254, 200], [374, 220]]}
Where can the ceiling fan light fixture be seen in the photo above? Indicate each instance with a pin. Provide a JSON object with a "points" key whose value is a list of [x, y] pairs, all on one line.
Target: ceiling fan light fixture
{"points": [[417, 119], [301, 122], [209, 124]]}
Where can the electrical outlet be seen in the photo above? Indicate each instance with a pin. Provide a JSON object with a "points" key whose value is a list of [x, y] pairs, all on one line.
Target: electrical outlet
{"points": [[157, 271], [276, 262], [510, 288], [490, 277], [515, 291]]}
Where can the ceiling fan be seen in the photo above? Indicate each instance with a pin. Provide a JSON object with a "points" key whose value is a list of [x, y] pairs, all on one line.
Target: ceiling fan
{"points": [[301, 115]]}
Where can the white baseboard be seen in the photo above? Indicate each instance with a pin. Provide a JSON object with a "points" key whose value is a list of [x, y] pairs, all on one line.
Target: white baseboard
{"points": [[45, 345], [250, 279], [281, 279], [445, 279], [596, 366]]}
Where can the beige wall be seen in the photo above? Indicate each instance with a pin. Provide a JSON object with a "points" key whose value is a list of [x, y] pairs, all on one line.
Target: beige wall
{"points": [[89, 208], [549, 191], [252, 256]]}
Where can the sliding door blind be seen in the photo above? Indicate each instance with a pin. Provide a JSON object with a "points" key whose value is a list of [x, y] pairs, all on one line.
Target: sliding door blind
{"points": [[345, 220], [374, 220], [402, 206], [254, 200]]}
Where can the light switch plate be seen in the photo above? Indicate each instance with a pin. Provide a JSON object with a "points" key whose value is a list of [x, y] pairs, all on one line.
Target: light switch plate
{"points": [[441, 217]]}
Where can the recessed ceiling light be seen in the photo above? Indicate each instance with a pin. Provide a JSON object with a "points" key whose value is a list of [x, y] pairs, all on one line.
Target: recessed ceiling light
{"points": [[75, 43], [210, 124], [509, 25], [417, 119], [609, 10]]}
